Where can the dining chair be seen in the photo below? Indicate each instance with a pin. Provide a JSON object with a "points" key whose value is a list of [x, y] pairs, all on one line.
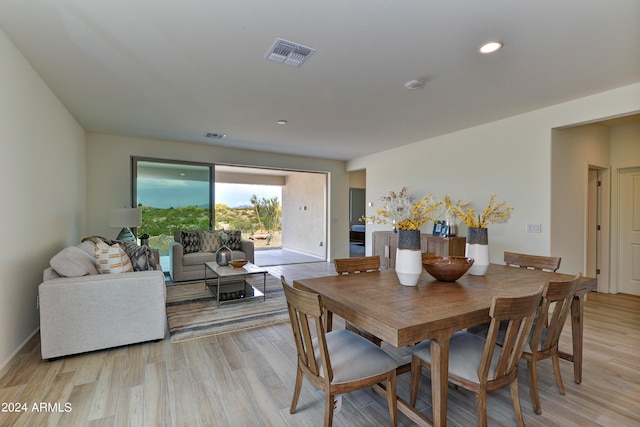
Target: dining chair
{"points": [[336, 362], [514, 259], [532, 261], [545, 335], [356, 265], [479, 364]]}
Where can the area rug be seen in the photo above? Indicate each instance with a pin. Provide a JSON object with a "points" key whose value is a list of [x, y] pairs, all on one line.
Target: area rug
{"points": [[192, 310]]}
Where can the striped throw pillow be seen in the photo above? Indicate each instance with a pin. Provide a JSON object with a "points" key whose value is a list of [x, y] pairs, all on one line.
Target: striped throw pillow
{"points": [[111, 259], [210, 242]]}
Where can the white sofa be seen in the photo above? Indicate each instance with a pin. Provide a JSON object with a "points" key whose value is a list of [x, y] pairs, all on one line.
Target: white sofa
{"points": [[97, 311]]}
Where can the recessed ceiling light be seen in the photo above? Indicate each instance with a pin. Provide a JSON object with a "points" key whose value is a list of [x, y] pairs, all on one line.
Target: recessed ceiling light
{"points": [[414, 84], [490, 47], [281, 122]]}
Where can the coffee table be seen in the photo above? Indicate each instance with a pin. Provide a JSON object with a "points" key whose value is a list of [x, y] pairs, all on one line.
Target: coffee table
{"points": [[228, 275]]}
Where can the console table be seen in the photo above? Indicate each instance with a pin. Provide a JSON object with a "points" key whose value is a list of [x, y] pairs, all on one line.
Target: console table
{"points": [[385, 244]]}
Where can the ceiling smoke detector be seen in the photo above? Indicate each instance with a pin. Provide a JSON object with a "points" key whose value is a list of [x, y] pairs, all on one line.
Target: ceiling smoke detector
{"points": [[214, 135], [289, 53], [414, 84]]}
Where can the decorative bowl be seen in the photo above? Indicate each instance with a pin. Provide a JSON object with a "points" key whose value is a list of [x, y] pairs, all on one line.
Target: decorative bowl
{"points": [[238, 263], [447, 269]]}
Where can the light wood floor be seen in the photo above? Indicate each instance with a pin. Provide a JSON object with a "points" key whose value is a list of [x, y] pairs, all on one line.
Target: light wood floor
{"points": [[246, 379]]}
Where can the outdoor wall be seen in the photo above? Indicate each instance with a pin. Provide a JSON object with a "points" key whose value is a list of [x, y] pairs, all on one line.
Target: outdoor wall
{"points": [[510, 157], [109, 183], [303, 212], [43, 192]]}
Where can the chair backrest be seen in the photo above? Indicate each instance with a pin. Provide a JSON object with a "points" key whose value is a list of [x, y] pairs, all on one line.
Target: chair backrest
{"points": [[548, 326], [305, 306], [532, 261], [519, 313], [357, 264]]}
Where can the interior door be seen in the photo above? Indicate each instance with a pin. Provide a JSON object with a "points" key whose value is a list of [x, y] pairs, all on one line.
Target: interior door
{"points": [[630, 231]]}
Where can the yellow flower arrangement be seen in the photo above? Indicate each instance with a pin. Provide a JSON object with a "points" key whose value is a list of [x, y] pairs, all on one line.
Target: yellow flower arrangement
{"points": [[400, 211], [448, 206], [493, 213]]}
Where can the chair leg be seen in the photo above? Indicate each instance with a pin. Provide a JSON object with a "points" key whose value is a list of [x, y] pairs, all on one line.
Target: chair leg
{"points": [[416, 369], [481, 408], [392, 398], [296, 391], [556, 370], [328, 324], [328, 408], [515, 396], [532, 369]]}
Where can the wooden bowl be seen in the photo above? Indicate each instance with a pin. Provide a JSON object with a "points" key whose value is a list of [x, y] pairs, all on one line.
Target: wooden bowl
{"points": [[238, 263], [447, 269]]}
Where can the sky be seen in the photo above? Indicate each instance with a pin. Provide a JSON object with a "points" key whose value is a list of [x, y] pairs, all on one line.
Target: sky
{"points": [[162, 193]]}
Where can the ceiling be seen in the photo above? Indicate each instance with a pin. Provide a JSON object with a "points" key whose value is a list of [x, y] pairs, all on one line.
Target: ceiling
{"points": [[177, 69]]}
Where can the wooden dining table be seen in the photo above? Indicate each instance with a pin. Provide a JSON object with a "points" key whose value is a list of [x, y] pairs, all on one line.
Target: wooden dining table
{"points": [[405, 315]]}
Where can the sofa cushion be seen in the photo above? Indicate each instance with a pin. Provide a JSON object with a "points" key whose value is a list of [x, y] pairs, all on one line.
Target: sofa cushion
{"points": [[73, 262], [198, 258], [190, 241], [231, 239], [89, 247], [210, 241], [142, 258], [111, 259]]}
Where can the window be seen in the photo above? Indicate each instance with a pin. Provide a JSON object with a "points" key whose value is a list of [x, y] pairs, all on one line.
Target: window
{"points": [[172, 196]]}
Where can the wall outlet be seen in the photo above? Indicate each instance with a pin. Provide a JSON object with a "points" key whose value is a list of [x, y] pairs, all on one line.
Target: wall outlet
{"points": [[534, 228]]}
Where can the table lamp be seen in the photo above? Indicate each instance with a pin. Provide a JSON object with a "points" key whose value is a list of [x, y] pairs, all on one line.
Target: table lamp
{"points": [[125, 218]]}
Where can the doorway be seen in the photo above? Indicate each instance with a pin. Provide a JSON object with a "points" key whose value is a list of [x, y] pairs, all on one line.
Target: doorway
{"points": [[594, 226]]}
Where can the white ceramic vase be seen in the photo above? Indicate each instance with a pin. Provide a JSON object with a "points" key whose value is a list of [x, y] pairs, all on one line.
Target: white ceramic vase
{"points": [[477, 247], [408, 266], [480, 255]]}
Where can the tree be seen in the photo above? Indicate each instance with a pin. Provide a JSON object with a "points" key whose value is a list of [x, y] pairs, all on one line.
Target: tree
{"points": [[268, 213]]}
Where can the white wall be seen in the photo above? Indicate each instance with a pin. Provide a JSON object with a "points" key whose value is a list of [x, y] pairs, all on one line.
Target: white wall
{"points": [[574, 151], [625, 153], [303, 213], [43, 193], [510, 157], [109, 181]]}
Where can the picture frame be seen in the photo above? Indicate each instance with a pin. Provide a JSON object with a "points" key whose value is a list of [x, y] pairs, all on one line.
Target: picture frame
{"points": [[437, 227]]}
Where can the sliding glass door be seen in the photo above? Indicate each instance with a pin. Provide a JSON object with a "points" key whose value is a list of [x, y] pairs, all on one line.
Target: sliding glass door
{"points": [[172, 196]]}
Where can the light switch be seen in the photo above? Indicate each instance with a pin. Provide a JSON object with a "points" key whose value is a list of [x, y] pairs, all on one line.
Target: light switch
{"points": [[534, 228]]}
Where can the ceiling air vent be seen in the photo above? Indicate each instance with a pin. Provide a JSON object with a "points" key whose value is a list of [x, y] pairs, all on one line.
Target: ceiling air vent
{"points": [[289, 53], [214, 135]]}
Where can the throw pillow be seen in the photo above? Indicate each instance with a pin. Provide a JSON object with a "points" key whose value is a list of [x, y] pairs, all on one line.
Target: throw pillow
{"points": [[211, 242], [231, 239], [111, 259], [73, 262], [190, 241], [141, 257]]}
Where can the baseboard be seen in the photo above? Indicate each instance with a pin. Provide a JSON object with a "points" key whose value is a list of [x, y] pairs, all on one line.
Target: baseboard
{"points": [[17, 350]]}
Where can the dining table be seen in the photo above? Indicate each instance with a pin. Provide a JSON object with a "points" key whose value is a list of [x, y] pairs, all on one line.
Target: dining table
{"points": [[405, 315]]}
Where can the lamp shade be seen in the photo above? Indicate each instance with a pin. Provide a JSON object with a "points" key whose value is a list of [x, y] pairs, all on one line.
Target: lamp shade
{"points": [[125, 217]]}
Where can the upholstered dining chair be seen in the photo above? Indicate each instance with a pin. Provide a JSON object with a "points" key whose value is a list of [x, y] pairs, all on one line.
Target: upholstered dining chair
{"points": [[338, 361], [353, 266], [513, 259], [479, 364], [543, 344]]}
